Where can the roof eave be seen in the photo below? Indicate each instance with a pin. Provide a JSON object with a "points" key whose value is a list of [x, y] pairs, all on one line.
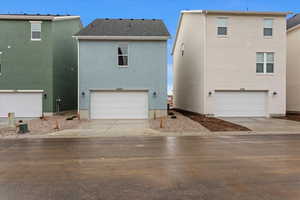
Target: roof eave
{"points": [[238, 12], [148, 38], [37, 18], [293, 28]]}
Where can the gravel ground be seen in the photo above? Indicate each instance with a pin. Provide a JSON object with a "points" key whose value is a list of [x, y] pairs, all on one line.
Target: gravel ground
{"points": [[180, 124], [46, 125]]}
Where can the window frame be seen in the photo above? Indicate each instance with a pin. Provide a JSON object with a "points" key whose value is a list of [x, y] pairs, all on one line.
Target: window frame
{"points": [[226, 26], [265, 63], [31, 30], [124, 55], [264, 27]]}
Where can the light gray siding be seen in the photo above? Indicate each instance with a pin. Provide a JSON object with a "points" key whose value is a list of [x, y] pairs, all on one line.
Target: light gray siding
{"points": [[98, 69]]}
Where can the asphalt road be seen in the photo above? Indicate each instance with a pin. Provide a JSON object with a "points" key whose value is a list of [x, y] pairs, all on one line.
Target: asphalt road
{"points": [[138, 168]]}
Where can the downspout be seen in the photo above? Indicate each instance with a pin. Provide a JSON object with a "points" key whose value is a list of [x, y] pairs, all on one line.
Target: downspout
{"points": [[205, 64]]}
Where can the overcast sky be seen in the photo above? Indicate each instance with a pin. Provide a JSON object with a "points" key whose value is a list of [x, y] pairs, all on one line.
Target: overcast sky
{"points": [[168, 10]]}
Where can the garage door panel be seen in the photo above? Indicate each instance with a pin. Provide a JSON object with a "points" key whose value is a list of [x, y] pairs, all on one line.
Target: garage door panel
{"points": [[241, 104], [119, 105], [22, 104]]}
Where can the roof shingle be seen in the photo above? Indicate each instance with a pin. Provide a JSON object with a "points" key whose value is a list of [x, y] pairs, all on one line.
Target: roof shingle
{"points": [[125, 27], [293, 21]]}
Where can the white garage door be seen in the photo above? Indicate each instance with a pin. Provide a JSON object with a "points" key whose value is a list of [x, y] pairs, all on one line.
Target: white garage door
{"points": [[22, 104], [119, 105], [241, 104]]}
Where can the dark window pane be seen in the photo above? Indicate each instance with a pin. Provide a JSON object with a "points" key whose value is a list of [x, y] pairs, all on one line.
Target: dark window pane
{"points": [[36, 35], [122, 50], [222, 30], [270, 68], [259, 68], [268, 31], [123, 61]]}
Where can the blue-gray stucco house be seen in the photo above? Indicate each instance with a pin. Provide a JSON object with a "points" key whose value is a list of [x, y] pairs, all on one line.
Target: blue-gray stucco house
{"points": [[122, 69]]}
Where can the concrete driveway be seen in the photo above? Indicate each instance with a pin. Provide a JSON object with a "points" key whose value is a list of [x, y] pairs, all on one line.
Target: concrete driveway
{"points": [[266, 124], [109, 128]]}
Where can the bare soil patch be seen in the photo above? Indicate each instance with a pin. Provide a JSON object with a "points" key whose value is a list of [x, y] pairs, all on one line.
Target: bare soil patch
{"points": [[293, 117], [46, 125], [179, 124], [212, 123]]}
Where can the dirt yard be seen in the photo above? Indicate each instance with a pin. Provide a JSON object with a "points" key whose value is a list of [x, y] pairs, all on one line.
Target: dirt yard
{"points": [[180, 124], [293, 117], [46, 125], [212, 123]]}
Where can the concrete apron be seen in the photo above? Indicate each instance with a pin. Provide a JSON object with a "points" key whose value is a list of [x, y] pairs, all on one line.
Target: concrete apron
{"points": [[109, 128], [266, 124]]}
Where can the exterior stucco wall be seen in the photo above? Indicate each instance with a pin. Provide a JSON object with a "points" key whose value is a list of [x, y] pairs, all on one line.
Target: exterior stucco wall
{"points": [[26, 64], [231, 61], [147, 69], [188, 69], [293, 71], [65, 64]]}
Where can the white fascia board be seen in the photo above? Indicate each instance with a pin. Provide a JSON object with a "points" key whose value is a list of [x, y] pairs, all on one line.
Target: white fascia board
{"points": [[21, 91], [122, 37], [293, 28], [65, 18]]}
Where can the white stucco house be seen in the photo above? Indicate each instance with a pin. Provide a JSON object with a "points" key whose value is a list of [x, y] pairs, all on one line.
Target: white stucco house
{"points": [[293, 64], [230, 63]]}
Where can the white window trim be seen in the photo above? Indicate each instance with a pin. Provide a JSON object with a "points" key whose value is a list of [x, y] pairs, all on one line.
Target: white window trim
{"points": [[123, 66], [268, 37], [35, 22], [265, 64], [227, 26]]}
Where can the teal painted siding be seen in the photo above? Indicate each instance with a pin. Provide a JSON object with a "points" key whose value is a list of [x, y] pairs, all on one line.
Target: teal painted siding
{"points": [[30, 65], [147, 69]]}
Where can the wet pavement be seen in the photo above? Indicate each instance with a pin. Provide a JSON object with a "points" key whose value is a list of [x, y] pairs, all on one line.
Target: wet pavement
{"points": [[230, 167]]}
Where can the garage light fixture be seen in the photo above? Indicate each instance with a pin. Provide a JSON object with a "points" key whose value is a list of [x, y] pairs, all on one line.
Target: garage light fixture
{"points": [[209, 93], [274, 93], [83, 93], [154, 94]]}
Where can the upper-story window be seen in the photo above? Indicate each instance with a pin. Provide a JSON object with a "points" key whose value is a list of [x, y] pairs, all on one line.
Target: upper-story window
{"points": [[36, 29], [123, 55], [182, 49], [222, 26], [265, 62], [268, 27]]}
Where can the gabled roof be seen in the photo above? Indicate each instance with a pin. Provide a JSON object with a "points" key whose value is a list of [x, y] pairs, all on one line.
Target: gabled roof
{"points": [[124, 28], [40, 17], [293, 22]]}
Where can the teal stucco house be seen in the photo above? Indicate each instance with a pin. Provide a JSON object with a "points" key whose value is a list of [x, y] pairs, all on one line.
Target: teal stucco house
{"points": [[38, 64], [122, 69]]}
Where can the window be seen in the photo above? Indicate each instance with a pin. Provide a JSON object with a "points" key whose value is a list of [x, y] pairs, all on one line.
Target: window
{"points": [[182, 49], [123, 55], [268, 27], [222, 26], [265, 63], [36, 29]]}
